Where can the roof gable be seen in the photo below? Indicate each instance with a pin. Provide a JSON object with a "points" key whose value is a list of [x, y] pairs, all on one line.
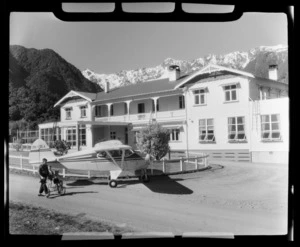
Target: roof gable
{"points": [[211, 68], [87, 96]]}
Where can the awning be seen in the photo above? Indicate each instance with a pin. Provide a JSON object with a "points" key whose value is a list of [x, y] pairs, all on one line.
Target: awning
{"points": [[172, 126]]}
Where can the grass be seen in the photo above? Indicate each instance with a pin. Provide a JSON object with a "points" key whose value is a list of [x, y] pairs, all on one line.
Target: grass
{"points": [[26, 219]]}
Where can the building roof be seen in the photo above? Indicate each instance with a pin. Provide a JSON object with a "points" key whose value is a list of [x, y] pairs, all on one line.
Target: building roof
{"points": [[163, 85], [149, 87], [91, 96]]}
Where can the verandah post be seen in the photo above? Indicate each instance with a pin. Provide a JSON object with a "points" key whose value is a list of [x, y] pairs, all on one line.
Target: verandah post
{"points": [[181, 161]]}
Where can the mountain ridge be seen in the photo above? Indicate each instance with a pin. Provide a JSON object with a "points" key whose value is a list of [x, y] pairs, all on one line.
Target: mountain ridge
{"points": [[255, 61], [37, 80]]}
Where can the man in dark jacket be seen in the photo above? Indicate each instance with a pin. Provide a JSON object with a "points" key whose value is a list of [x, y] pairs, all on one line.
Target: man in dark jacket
{"points": [[44, 173]]}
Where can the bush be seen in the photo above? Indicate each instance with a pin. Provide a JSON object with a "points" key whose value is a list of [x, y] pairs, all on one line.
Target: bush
{"points": [[154, 140], [62, 146]]}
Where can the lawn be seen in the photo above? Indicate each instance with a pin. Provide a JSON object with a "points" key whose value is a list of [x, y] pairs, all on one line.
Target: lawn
{"points": [[26, 219]]}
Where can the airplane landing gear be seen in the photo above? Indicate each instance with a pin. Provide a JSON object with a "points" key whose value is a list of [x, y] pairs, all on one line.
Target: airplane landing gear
{"points": [[113, 183], [144, 177]]}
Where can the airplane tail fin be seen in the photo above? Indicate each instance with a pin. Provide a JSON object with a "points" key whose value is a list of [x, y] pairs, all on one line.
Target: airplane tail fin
{"points": [[40, 150]]}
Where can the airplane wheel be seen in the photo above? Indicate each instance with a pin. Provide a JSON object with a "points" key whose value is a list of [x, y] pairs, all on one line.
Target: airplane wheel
{"points": [[113, 183]]}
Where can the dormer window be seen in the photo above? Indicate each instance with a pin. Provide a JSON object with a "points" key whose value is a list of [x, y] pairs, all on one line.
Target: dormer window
{"points": [[82, 111], [68, 112], [200, 97], [230, 93]]}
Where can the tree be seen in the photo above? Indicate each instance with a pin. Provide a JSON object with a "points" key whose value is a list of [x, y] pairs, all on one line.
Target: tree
{"points": [[154, 140]]}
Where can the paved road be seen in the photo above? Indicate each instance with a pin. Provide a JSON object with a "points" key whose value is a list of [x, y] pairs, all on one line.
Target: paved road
{"points": [[239, 198]]}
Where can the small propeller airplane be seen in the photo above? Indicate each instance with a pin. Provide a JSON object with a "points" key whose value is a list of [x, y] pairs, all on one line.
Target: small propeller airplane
{"points": [[112, 156]]}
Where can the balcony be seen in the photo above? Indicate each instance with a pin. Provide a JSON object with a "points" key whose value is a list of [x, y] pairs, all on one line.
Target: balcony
{"points": [[144, 117]]}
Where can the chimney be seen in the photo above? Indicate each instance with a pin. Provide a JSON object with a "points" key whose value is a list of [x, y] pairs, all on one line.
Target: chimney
{"points": [[273, 72], [106, 86], [174, 72]]}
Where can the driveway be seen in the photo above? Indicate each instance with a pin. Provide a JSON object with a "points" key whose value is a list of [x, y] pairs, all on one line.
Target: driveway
{"points": [[236, 198]]}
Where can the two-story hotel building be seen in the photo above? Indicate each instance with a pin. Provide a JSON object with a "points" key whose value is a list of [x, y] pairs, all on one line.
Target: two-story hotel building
{"points": [[227, 113]]}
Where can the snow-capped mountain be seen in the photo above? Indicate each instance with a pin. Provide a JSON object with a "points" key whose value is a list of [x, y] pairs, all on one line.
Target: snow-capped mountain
{"points": [[255, 61]]}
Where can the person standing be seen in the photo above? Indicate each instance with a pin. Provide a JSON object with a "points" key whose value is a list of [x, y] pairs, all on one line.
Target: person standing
{"points": [[44, 173]]}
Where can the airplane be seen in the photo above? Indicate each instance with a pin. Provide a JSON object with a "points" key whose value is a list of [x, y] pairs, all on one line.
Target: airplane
{"points": [[112, 156]]}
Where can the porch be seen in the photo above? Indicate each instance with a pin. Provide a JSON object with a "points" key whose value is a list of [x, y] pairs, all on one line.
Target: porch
{"points": [[163, 108]]}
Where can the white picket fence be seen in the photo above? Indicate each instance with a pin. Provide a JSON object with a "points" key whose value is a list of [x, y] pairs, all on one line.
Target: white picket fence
{"points": [[197, 162], [34, 169]]}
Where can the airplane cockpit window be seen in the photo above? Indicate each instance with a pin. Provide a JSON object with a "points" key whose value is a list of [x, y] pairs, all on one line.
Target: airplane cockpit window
{"points": [[116, 153], [101, 154], [128, 152]]}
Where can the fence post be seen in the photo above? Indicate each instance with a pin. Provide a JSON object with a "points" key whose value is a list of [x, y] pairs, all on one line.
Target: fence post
{"points": [[89, 174], [181, 161], [33, 169], [21, 161], [196, 163], [164, 165], [205, 161], [64, 173]]}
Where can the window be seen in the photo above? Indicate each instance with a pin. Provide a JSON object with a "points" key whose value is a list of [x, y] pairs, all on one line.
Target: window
{"points": [[112, 110], [82, 136], [181, 102], [82, 111], [113, 135], [125, 109], [236, 129], [175, 135], [71, 135], [230, 93], [141, 108], [68, 113], [270, 129], [98, 111], [49, 135], [206, 130], [199, 97]]}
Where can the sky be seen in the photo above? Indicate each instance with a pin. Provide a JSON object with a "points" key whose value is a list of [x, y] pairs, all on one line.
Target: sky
{"points": [[109, 47]]}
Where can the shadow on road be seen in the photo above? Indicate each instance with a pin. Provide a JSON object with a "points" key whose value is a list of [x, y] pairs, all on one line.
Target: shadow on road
{"points": [[70, 194], [85, 182], [167, 185], [157, 184]]}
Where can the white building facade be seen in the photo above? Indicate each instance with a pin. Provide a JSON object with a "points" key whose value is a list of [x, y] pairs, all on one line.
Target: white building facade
{"points": [[229, 114]]}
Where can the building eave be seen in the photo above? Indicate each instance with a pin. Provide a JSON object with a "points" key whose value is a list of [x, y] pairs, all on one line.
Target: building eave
{"points": [[209, 69]]}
